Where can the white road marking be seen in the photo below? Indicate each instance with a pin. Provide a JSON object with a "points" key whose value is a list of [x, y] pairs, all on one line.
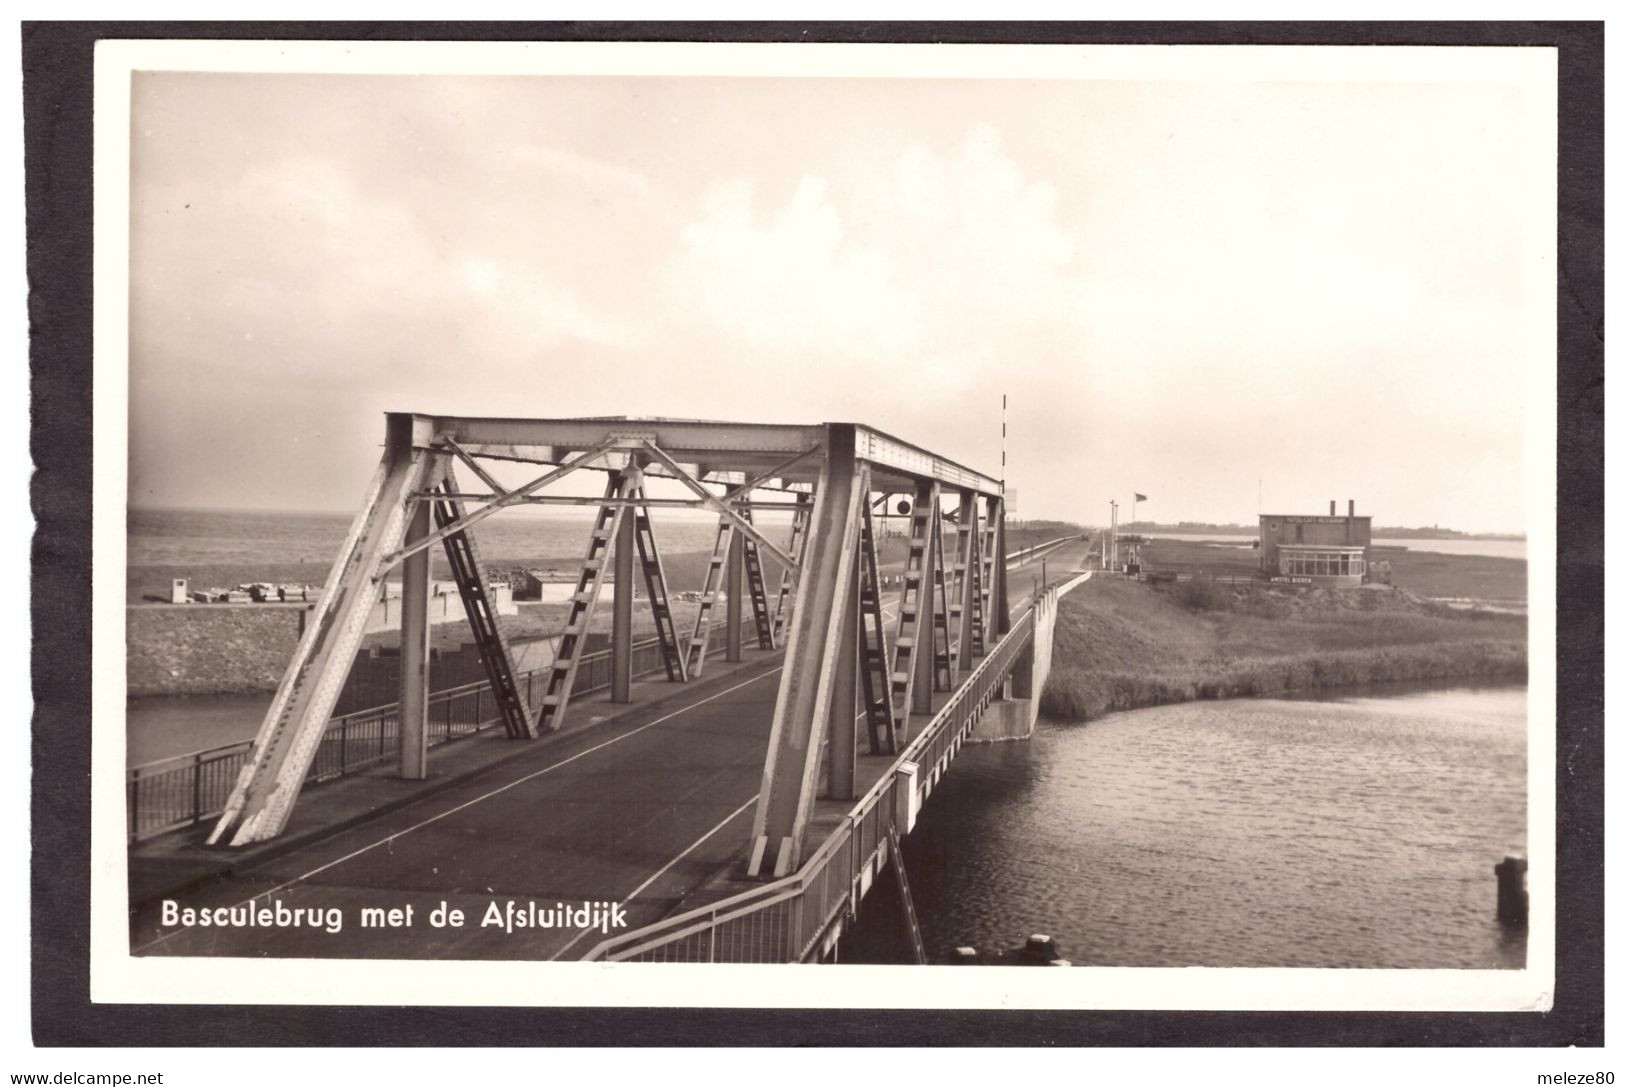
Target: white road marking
{"points": [[390, 839], [644, 886], [640, 888]]}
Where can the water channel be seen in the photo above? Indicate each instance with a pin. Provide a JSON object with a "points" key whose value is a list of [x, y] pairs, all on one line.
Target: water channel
{"points": [[1352, 831]]}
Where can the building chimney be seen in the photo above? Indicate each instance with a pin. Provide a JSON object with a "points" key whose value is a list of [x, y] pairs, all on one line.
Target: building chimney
{"points": [[1331, 508], [1351, 507]]}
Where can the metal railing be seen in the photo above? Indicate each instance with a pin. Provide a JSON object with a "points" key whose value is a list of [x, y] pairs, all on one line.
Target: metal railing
{"points": [[787, 920], [1027, 554], [185, 790]]}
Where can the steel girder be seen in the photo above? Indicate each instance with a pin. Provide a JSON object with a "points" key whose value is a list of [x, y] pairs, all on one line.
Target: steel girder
{"points": [[962, 611], [835, 631], [997, 589], [813, 655], [749, 448], [291, 733]]}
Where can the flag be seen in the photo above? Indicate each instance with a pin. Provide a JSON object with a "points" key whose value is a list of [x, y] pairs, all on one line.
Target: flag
{"points": [[1141, 498]]}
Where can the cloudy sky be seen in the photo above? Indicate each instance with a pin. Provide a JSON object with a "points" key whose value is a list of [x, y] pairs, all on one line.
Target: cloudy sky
{"points": [[1185, 288]]}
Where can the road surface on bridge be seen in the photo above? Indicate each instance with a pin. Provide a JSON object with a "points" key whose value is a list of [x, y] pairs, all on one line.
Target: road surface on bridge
{"points": [[638, 810]]}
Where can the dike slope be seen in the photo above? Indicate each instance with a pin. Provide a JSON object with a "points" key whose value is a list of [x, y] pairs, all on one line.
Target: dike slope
{"points": [[1122, 644]]}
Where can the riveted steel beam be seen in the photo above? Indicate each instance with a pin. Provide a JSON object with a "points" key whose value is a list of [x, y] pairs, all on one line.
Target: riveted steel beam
{"points": [[963, 609], [296, 720], [583, 500], [912, 462], [813, 656], [754, 448]]}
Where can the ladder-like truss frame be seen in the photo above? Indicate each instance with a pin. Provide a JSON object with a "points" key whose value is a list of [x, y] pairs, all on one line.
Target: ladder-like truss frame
{"points": [[787, 581], [467, 571], [561, 674], [716, 572], [757, 586], [654, 581], [873, 662]]}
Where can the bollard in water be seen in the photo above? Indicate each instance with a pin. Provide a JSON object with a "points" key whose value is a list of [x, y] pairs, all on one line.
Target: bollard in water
{"points": [[1042, 948], [1039, 950], [1512, 891]]}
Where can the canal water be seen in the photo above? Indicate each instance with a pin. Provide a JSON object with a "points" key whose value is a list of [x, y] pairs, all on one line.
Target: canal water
{"points": [[158, 727], [167, 726], [1355, 831]]}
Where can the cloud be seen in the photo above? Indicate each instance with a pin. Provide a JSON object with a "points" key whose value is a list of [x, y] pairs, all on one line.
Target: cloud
{"points": [[945, 265], [594, 173], [297, 300], [517, 305], [790, 280], [299, 263]]}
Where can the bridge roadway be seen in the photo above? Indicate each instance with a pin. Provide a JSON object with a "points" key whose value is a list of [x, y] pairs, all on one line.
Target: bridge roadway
{"points": [[641, 810]]}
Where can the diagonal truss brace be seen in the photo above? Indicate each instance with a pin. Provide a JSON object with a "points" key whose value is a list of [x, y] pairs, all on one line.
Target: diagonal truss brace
{"points": [[497, 489], [468, 572], [295, 722], [505, 499], [767, 477], [718, 506]]}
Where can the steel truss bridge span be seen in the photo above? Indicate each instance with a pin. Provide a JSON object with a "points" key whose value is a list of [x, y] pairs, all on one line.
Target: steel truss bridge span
{"points": [[840, 650], [800, 917]]}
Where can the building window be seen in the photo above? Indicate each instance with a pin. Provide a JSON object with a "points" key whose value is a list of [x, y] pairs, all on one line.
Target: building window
{"points": [[1294, 562]]}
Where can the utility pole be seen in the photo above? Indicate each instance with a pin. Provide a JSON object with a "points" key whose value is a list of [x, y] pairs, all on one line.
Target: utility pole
{"points": [[1112, 565]]}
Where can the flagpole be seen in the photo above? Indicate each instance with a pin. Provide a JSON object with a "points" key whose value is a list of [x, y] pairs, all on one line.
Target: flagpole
{"points": [[1112, 565]]}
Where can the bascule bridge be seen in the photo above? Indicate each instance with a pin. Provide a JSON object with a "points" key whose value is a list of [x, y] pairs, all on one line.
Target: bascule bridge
{"points": [[883, 676]]}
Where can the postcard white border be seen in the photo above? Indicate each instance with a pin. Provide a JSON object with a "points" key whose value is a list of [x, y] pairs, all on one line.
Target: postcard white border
{"points": [[118, 977]]}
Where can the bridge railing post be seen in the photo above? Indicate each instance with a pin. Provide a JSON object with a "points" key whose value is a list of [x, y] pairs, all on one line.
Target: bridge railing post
{"points": [[798, 925], [197, 788]]}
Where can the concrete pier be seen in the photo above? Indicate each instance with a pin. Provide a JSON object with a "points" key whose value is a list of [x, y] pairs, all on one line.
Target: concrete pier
{"points": [[1014, 716]]}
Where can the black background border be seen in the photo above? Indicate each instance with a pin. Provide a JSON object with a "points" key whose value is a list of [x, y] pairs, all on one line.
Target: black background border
{"points": [[57, 99]]}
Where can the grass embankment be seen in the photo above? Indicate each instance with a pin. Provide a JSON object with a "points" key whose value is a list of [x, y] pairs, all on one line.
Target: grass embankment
{"points": [[1122, 644]]}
